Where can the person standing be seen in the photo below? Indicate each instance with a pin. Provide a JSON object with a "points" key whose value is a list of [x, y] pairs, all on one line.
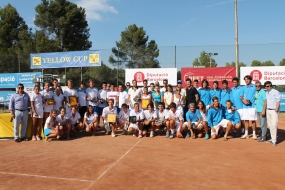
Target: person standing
{"points": [[112, 94], [82, 100], [54, 85], [69, 92], [183, 91], [248, 111], [167, 96], [272, 104], [225, 93], [216, 91], [92, 96], [102, 101], [134, 95], [38, 113], [204, 93], [164, 88], [128, 86], [18, 106], [196, 84], [157, 97], [123, 96], [260, 97], [47, 96], [58, 99], [191, 94]]}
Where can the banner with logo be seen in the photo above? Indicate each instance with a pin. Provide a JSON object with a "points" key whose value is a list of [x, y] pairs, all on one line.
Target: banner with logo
{"points": [[275, 74], [282, 105], [11, 80], [210, 73], [152, 75], [65, 59], [5, 97]]}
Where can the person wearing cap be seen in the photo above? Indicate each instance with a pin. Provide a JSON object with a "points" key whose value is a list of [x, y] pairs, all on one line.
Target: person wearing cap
{"points": [[183, 91], [272, 105], [18, 106]]}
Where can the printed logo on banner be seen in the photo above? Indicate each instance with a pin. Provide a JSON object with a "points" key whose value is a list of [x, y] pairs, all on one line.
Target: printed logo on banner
{"points": [[188, 75], [94, 58], [37, 61], [139, 76], [256, 75]]}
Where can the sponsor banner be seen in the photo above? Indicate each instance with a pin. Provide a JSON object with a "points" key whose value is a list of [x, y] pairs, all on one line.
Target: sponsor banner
{"points": [[282, 104], [210, 73], [11, 80], [65, 59], [275, 74], [5, 97], [152, 75]]}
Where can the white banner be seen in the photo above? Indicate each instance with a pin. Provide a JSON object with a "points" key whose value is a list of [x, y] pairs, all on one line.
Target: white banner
{"points": [[275, 74], [152, 75]]}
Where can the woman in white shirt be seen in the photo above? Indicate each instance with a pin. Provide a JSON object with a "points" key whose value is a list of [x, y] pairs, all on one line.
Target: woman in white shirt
{"points": [[38, 113], [58, 99], [178, 99], [90, 120], [47, 96], [50, 129], [204, 112], [168, 96], [63, 123], [150, 118]]}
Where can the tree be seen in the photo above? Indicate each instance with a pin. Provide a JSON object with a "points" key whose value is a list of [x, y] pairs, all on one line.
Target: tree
{"points": [[256, 63], [15, 41], [62, 26], [282, 63], [233, 64], [268, 63], [134, 50], [204, 60]]}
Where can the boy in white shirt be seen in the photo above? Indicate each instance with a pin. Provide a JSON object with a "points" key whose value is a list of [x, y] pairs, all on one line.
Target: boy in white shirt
{"points": [[175, 121], [123, 96], [150, 118], [123, 121], [74, 118], [111, 109], [138, 125], [162, 119]]}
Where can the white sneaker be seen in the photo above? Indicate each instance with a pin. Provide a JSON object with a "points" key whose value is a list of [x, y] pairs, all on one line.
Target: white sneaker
{"points": [[244, 137], [113, 134], [151, 134], [254, 137]]}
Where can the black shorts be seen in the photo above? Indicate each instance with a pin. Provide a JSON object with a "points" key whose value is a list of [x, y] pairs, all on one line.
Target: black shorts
{"points": [[146, 127], [82, 111]]}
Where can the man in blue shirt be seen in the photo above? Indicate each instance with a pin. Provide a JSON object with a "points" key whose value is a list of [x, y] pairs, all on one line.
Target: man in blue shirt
{"points": [[216, 119], [260, 97], [248, 111], [193, 122], [233, 116], [225, 93], [18, 106], [204, 93], [272, 105], [216, 91]]}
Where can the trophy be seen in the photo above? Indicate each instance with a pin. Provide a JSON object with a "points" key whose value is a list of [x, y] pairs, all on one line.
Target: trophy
{"points": [[94, 100]]}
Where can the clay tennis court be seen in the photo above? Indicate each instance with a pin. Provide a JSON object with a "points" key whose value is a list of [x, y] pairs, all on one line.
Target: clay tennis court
{"points": [[126, 162]]}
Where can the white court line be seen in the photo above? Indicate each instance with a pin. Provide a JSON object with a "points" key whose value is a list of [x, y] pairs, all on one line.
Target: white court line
{"points": [[42, 176], [113, 165]]}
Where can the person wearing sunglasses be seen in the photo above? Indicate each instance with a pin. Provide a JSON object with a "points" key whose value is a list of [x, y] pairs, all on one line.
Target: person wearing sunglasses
{"points": [[260, 96], [18, 106], [128, 86], [272, 105]]}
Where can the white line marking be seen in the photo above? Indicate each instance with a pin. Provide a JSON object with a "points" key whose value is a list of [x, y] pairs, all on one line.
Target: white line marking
{"points": [[110, 167], [42, 176]]}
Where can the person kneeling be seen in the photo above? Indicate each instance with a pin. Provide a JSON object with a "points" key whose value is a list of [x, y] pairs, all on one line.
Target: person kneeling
{"points": [[162, 119], [136, 120], [50, 130], [193, 122], [90, 120], [74, 118], [123, 121], [216, 120], [175, 121], [150, 117], [110, 117], [233, 117], [63, 123]]}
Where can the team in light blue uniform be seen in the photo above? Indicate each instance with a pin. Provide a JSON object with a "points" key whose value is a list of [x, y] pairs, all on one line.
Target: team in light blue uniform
{"points": [[225, 93], [205, 93], [215, 91]]}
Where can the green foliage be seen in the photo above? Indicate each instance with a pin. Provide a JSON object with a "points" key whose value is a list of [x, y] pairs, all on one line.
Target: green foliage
{"points": [[204, 60], [256, 63], [63, 26], [134, 50], [233, 64], [15, 41], [282, 63]]}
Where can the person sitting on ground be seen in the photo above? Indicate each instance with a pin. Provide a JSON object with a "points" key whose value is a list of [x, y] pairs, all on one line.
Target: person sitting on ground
{"points": [[63, 123], [232, 116], [90, 120], [193, 122], [138, 125], [216, 120], [74, 117], [124, 116], [150, 118], [175, 121], [162, 119], [110, 125], [50, 129]]}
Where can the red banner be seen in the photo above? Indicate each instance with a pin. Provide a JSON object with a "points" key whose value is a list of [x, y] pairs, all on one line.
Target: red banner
{"points": [[210, 73]]}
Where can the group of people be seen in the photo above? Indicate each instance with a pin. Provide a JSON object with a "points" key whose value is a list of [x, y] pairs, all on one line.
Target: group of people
{"points": [[142, 111]]}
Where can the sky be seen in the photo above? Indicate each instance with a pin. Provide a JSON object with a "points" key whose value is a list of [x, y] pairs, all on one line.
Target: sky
{"points": [[190, 25]]}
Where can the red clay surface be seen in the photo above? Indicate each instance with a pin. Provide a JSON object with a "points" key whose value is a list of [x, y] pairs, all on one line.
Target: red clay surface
{"points": [[126, 162]]}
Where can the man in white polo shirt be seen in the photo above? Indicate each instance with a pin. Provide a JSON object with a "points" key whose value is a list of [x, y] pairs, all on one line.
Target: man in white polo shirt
{"points": [[111, 109], [112, 94], [272, 105], [134, 95], [123, 96], [92, 96], [68, 93]]}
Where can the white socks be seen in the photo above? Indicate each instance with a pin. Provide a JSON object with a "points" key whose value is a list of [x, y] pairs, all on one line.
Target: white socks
{"points": [[172, 131], [246, 132], [253, 132]]}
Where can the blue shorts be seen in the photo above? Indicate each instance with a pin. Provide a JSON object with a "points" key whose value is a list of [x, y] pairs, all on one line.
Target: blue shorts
{"points": [[99, 110], [95, 109], [47, 131]]}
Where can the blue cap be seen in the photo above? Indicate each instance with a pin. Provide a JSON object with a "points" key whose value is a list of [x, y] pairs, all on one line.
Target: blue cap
{"points": [[179, 81]]}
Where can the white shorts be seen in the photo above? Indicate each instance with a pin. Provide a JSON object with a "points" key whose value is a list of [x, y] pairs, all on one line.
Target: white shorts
{"points": [[177, 125], [134, 125], [240, 113], [193, 124], [222, 124], [248, 114]]}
